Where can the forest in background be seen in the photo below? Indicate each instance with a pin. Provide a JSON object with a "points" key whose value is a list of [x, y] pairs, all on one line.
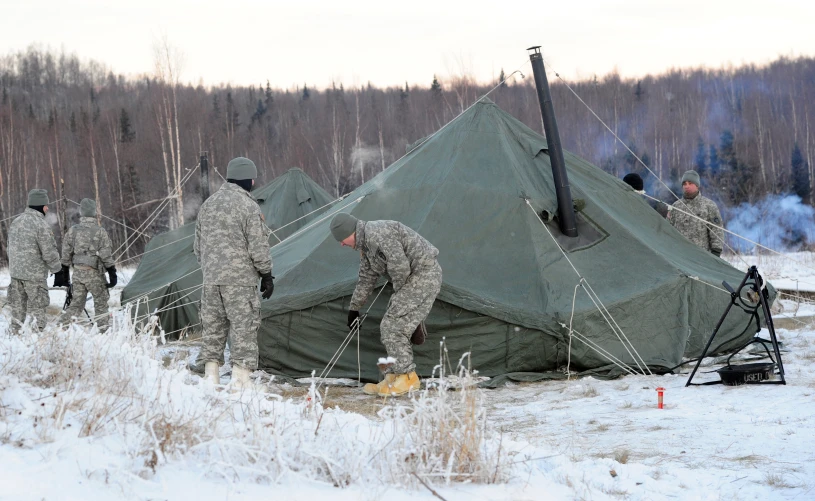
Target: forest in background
{"points": [[131, 142]]}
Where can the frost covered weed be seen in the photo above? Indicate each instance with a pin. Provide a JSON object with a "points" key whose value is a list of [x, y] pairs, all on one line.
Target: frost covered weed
{"points": [[77, 382], [622, 455], [590, 391], [442, 434], [777, 481]]}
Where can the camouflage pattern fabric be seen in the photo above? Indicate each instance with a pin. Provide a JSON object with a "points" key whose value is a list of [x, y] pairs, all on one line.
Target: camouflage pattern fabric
{"points": [[84, 281], [406, 310], [88, 249], [234, 312], [28, 297], [388, 248], [87, 244], [391, 248], [232, 246], [699, 232], [231, 239], [32, 251]]}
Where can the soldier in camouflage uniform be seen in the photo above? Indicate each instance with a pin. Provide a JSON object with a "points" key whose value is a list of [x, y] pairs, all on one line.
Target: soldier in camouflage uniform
{"points": [[232, 246], [389, 247], [86, 247], [705, 232], [32, 253]]}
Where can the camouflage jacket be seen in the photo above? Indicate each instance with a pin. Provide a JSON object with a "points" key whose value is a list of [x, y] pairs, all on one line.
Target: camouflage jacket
{"points": [[706, 236], [388, 248], [87, 244], [231, 238], [32, 251]]}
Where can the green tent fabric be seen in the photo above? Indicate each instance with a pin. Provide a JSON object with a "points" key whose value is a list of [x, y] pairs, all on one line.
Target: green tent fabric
{"points": [[508, 291], [168, 278]]}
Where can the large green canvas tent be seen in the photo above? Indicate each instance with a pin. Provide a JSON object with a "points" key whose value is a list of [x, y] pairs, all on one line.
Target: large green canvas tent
{"points": [[507, 295], [168, 277]]}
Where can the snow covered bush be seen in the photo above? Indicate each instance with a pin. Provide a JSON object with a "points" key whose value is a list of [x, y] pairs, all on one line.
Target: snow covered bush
{"points": [[75, 382]]}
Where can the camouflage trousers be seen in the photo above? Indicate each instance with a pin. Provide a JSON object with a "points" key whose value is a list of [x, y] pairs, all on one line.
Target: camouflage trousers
{"points": [[233, 312], [406, 309], [84, 281], [28, 297]]}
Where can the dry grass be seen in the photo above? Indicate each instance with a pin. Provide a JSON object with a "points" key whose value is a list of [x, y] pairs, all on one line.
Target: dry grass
{"points": [[777, 481], [807, 355], [616, 492], [446, 434], [167, 437], [589, 392], [352, 400], [622, 455], [115, 384], [752, 460]]}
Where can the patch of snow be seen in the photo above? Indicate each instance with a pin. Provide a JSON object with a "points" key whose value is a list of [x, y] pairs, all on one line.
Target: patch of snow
{"points": [[100, 417]]}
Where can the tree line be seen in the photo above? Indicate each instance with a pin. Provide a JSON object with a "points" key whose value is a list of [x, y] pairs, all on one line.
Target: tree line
{"points": [[76, 128]]}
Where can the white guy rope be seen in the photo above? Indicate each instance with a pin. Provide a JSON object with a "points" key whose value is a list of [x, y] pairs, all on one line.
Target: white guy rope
{"points": [[355, 327], [111, 219], [154, 215], [19, 214], [602, 309]]}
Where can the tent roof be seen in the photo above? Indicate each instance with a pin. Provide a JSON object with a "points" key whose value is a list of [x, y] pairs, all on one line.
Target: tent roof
{"points": [[466, 190]]}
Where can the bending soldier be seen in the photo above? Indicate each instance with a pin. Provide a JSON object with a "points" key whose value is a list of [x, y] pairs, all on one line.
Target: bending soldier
{"points": [[32, 253], [86, 246], [389, 247], [232, 247]]}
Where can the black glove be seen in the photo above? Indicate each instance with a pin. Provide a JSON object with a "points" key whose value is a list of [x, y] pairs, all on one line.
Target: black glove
{"points": [[112, 279], [717, 253], [352, 315], [266, 285], [62, 277]]}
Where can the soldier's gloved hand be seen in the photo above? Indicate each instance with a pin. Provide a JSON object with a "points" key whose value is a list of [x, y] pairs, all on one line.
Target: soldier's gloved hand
{"points": [[112, 278], [352, 316], [59, 277], [266, 285], [716, 252]]}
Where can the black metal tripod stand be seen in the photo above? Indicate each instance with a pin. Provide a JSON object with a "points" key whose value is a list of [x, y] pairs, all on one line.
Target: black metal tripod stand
{"points": [[754, 284]]}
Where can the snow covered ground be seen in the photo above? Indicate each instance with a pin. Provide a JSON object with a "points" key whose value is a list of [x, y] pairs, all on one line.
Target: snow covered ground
{"points": [[90, 416], [792, 271]]}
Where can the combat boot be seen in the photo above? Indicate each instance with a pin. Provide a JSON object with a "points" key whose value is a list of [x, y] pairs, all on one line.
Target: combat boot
{"points": [[400, 385], [373, 389], [241, 378], [211, 373]]}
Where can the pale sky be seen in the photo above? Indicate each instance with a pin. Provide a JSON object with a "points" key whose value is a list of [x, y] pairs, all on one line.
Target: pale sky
{"points": [[389, 42]]}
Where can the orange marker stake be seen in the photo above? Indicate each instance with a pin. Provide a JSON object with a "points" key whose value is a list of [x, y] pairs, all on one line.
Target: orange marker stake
{"points": [[660, 393]]}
